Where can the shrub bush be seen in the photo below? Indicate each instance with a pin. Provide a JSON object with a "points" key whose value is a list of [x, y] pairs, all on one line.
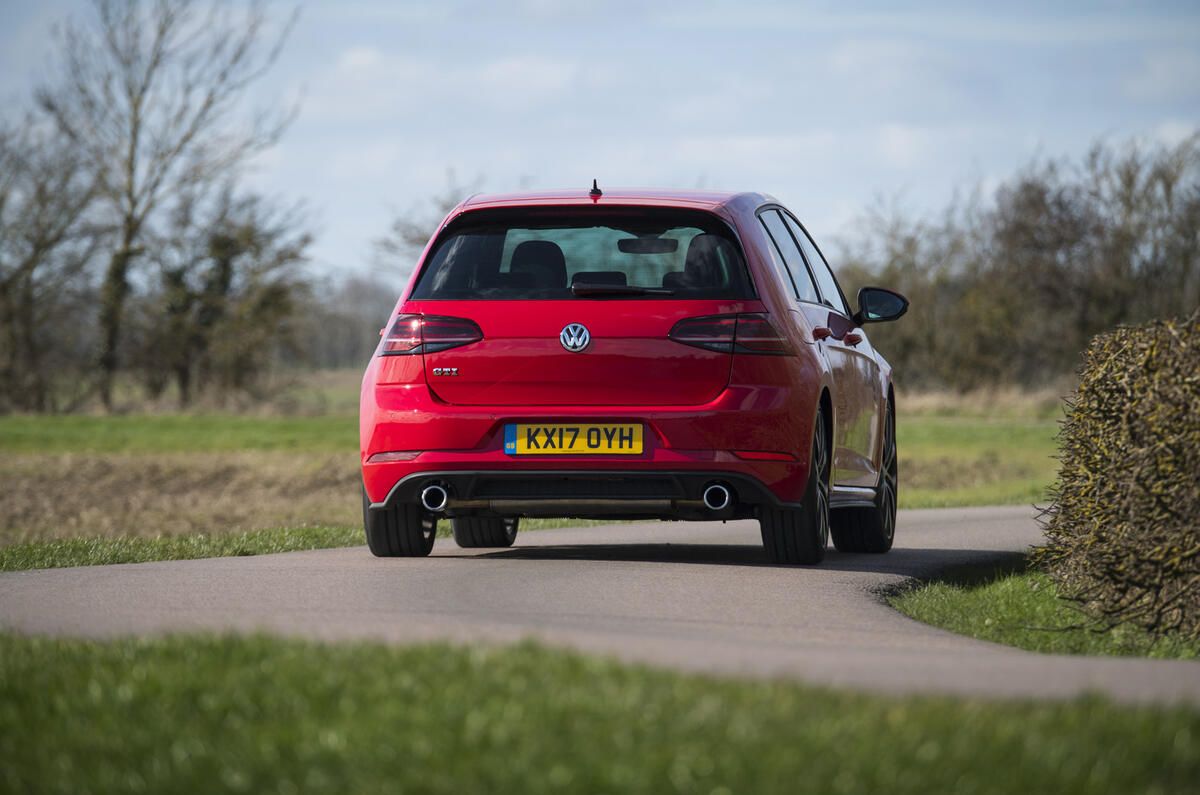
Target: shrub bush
{"points": [[1124, 529]]}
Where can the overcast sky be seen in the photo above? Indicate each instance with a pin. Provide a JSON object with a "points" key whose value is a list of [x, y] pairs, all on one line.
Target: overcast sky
{"points": [[828, 106]]}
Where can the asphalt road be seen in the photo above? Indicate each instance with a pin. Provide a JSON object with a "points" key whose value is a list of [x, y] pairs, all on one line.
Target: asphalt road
{"points": [[693, 596]]}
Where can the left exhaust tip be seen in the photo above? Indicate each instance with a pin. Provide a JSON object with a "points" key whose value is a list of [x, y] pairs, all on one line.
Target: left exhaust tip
{"points": [[717, 497], [434, 498]]}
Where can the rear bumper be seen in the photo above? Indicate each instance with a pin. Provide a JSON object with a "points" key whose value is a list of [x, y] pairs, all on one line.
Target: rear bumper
{"points": [[768, 408], [661, 471], [652, 494]]}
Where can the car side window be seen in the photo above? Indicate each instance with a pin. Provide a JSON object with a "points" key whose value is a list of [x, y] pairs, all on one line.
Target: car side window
{"points": [[802, 282], [820, 268]]}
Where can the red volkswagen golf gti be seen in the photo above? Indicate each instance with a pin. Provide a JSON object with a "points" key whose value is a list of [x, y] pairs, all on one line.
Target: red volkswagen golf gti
{"points": [[629, 354]]}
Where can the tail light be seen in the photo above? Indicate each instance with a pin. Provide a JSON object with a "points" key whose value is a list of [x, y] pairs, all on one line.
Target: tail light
{"points": [[756, 334], [715, 332], [732, 334], [428, 334]]}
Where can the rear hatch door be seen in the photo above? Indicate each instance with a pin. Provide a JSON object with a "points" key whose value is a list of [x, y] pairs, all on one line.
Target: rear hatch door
{"points": [[621, 275]]}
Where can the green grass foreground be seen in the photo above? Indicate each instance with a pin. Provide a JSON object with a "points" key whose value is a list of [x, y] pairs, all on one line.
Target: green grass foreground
{"points": [[203, 714], [1026, 611]]}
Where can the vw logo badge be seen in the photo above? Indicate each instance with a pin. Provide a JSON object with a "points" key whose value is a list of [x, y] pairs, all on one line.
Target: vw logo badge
{"points": [[575, 337]]}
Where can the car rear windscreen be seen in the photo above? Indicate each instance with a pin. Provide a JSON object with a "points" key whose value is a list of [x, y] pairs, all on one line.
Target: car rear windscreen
{"points": [[565, 253]]}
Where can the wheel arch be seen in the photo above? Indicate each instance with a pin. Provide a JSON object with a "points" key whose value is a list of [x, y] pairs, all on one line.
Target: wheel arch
{"points": [[825, 408]]}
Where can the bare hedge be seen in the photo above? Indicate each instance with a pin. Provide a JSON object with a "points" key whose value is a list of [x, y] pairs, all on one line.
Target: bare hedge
{"points": [[1124, 529]]}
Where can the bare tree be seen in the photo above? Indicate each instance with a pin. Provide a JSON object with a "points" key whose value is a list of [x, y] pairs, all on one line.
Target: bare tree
{"points": [[342, 325], [45, 247], [399, 249], [230, 283], [1012, 290], [149, 96]]}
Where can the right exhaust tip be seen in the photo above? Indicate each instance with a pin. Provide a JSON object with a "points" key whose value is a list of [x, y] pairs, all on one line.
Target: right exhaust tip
{"points": [[717, 497], [434, 498]]}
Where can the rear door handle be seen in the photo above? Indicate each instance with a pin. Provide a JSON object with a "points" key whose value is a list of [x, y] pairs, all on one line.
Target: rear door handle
{"points": [[821, 333], [853, 339]]}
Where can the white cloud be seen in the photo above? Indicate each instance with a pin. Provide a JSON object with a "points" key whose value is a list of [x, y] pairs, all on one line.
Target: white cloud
{"points": [[903, 146], [554, 7], [369, 84], [896, 75], [725, 103], [1167, 75], [375, 13], [735, 152], [892, 59], [999, 26], [523, 81], [360, 59], [350, 164], [365, 84], [1173, 132]]}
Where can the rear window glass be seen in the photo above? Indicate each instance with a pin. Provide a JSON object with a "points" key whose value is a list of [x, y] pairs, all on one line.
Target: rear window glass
{"points": [[560, 254]]}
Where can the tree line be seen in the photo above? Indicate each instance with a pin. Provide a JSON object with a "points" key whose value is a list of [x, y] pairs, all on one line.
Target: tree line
{"points": [[1010, 288], [129, 245]]}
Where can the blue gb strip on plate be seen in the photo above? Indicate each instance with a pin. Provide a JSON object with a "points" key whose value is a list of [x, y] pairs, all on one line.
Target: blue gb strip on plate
{"points": [[510, 439]]}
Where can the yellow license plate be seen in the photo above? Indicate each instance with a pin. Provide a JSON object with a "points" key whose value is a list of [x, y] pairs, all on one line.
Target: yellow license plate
{"points": [[582, 439]]}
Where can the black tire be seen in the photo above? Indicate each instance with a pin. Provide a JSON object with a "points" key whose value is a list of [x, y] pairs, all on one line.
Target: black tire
{"points": [[399, 530], [800, 535], [873, 529], [475, 532]]}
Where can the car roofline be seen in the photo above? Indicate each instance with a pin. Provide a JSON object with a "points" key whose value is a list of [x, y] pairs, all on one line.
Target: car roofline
{"points": [[625, 197]]}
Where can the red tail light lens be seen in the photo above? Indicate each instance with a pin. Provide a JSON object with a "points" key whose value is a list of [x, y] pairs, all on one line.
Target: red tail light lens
{"points": [[756, 334], [440, 333], [714, 332], [732, 334], [428, 334], [404, 336]]}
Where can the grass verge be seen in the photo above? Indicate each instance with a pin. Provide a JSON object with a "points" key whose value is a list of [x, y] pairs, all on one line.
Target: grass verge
{"points": [[255, 714], [64, 495], [191, 546], [103, 551], [187, 433], [958, 461], [1023, 609]]}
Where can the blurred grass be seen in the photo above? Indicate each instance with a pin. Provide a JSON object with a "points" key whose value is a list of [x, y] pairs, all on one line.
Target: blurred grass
{"points": [[144, 494], [1024, 609], [281, 393], [995, 403], [163, 433], [958, 461], [255, 714]]}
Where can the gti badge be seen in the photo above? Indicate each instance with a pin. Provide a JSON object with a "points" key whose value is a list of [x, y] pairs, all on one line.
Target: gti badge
{"points": [[445, 371], [575, 337]]}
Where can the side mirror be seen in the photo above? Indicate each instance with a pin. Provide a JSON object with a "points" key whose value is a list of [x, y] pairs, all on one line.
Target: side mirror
{"points": [[876, 305]]}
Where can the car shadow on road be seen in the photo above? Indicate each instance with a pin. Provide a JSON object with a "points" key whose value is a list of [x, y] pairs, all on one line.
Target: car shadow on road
{"points": [[905, 562]]}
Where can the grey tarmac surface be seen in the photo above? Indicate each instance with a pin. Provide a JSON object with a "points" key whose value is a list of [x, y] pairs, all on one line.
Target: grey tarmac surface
{"points": [[693, 596]]}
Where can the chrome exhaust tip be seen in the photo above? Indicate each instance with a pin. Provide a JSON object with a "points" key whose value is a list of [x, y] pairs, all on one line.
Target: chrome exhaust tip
{"points": [[717, 497], [434, 498]]}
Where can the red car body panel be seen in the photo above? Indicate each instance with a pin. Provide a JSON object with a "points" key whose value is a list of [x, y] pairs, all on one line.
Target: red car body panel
{"points": [[520, 362]]}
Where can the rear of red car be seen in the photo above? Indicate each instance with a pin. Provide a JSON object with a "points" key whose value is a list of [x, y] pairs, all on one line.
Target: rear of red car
{"points": [[565, 356]]}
